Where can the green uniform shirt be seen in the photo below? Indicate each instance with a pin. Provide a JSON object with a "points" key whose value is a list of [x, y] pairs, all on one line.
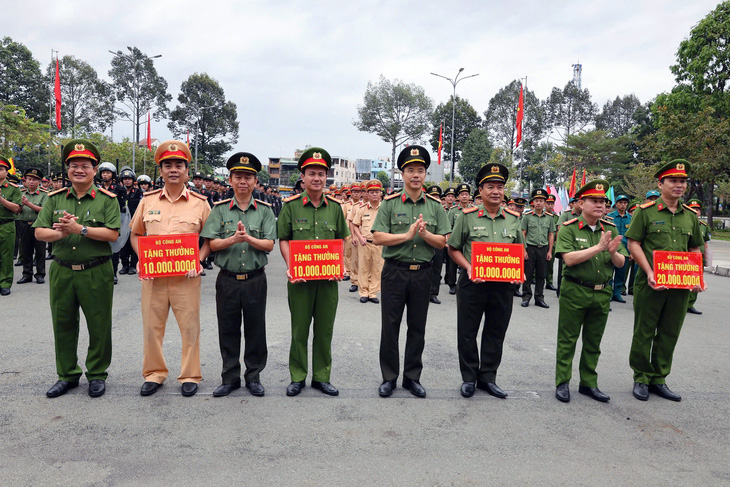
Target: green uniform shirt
{"points": [[475, 225], [454, 213], [95, 209], [577, 236], [657, 228], [11, 193], [28, 214], [301, 220], [396, 215], [538, 227], [259, 221]]}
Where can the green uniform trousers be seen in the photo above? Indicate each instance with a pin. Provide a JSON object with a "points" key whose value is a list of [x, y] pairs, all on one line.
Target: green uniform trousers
{"points": [[658, 319], [313, 300], [692, 300], [7, 245], [580, 307], [92, 290], [550, 270]]}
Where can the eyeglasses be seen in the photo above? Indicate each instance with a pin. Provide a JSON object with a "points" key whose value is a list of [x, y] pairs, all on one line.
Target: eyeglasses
{"points": [[85, 167]]}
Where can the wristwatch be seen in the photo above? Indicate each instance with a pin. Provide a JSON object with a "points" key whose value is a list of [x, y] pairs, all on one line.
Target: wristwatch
{"points": [[84, 231]]}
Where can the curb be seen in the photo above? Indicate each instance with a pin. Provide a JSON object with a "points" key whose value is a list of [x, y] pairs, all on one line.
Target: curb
{"points": [[720, 271]]}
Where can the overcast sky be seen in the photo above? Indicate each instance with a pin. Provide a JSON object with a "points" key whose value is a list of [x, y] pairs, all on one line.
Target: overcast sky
{"points": [[297, 70]]}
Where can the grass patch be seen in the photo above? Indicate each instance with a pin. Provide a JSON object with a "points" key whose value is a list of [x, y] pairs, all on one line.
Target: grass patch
{"points": [[721, 235]]}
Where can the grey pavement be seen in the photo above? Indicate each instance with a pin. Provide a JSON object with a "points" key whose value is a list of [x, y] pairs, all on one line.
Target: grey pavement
{"points": [[720, 257], [358, 438]]}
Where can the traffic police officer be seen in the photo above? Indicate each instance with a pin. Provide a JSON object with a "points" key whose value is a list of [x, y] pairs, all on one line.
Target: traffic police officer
{"points": [[621, 218], [538, 227], [311, 215], [410, 225], [32, 249], [475, 298], [82, 221], [590, 247], [663, 224], [370, 265], [241, 232], [696, 205], [10, 199]]}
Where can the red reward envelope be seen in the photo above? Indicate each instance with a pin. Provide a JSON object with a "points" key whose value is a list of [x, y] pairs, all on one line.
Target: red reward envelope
{"points": [[316, 259], [500, 262], [168, 255], [678, 270]]}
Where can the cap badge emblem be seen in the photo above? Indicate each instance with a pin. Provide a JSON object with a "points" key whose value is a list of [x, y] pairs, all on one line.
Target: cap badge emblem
{"points": [[79, 147], [599, 187], [244, 160], [172, 147], [317, 155], [414, 152], [680, 166], [495, 168]]}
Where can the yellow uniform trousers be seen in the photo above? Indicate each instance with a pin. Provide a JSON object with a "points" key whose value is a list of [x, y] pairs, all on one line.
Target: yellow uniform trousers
{"points": [[354, 261], [370, 266], [348, 254]]}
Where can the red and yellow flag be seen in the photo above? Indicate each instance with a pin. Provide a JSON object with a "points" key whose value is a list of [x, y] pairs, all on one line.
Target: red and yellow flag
{"points": [[520, 116], [149, 132], [583, 179], [441, 141], [571, 190], [57, 95]]}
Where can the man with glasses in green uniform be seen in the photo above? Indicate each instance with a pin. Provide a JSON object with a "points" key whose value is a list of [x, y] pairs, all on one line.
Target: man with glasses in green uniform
{"points": [[538, 227], [663, 224], [310, 215], [10, 199], [81, 221], [32, 249]]}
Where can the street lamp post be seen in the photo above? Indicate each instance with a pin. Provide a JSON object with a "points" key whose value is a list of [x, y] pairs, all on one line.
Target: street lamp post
{"points": [[197, 130], [454, 82]]}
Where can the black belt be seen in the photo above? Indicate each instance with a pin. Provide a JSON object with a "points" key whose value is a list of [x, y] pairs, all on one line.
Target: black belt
{"points": [[3, 221], [82, 267], [24, 221], [368, 241], [242, 276], [589, 285], [410, 267], [537, 246]]}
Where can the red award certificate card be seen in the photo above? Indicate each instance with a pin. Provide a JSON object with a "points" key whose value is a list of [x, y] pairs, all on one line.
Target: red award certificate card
{"points": [[316, 259], [678, 270], [168, 255], [499, 262]]}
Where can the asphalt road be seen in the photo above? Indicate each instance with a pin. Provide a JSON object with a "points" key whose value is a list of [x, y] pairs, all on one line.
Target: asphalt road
{"points": [[358, 438]]}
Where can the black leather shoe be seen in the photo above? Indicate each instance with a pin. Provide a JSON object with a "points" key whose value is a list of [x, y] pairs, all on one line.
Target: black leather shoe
{"points": [[550, 287], [641, 391], [467, 389], [375, 300], [692, 310], [353, 288], [433, 299], [116, 280], [346, 278], [225, 389], [415, 387], [189, 389], [60, 388], [294, 388], [49, 257], [363, 299], [124, 270], [325, 387], [594, 393], [18, 263], [5, 291], [525, 304], [24, 280], [540, 303], [662, 390], [518, 294], [40, 280], [562, 392], [132, 270], [618, 299], [149, 388], [386, 388], [623, 293], [209, 266], [452, 289], [97, 387], [202, 271], [255, 388], [492, 389]]}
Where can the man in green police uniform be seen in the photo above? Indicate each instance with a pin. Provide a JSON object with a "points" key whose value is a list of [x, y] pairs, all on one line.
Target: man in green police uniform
{"points": [[663, 224], [242, 231], [696, 205], [538, 227], [475, 298], [590, 247], [550, 208], [81, 221], [438, 257], [410, 225], [463, 192], [32, 249], [311, 215], [10, 198]]}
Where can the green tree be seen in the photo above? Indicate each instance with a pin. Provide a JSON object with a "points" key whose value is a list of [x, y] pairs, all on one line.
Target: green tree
{"points": [[24, 140], [477, 152], [500, 117], [383, 178], [466, 119], [21, 81], [600, 154], [87, 102], [211, 119], [639, 180], [395, 111], [263, 176], [618, 116], [570, 110], [293, 178]]}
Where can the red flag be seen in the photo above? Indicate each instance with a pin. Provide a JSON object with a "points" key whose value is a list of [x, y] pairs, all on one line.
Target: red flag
{"points": [[571, 190], [441, 140], [57, 95], [520, 116], [188, 142], [583, 180], [149, 132]]}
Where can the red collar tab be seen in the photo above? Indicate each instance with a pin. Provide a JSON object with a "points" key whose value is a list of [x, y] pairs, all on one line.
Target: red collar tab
{"points": [[305, 200], [660, 206], [233, 202], [581, 224], [403, 197], [93, 194]]}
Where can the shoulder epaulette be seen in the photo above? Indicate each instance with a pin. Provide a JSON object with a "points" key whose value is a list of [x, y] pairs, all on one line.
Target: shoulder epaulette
{"points": [[108, 193], [224, 201], [199, 196], [512, 212], [608, 217], [154, 191], [470, 210], [262, 202], [704, 223], [647, 204], [12, 184], [529, 212], [57, 191], [608, 222], [438, 200], [690, 209], [570, 221], [292, 198], [43, 190], [331, 198], [394, 195]]}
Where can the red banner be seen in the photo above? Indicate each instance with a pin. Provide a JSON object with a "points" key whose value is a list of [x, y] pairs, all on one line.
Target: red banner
{"points": [[57, 96], [499, 262], [316, 259], [520, 117], [441, 140], [149, 132], [678, 270], [168, 255]]}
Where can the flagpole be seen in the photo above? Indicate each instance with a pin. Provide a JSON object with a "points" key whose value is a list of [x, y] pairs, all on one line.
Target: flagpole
{"points": [[523, 88], [51, 99]]}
